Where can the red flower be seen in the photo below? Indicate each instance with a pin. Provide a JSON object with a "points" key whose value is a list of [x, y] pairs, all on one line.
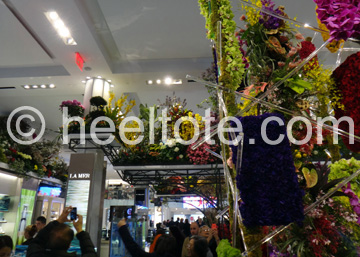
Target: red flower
{"points": [[347, 80]]}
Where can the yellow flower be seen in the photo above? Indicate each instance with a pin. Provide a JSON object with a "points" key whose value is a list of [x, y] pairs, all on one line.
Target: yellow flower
{"points": [[36, 167]]}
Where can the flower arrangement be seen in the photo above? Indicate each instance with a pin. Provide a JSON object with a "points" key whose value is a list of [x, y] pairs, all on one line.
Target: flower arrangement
{"points": [[341, 18], [266, 180], [200, 155], [42, 158], [75, 108], [347, 80]]}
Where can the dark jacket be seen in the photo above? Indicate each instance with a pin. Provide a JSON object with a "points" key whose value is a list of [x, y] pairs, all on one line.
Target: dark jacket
{"points": [[37, 246], [133, 248]]}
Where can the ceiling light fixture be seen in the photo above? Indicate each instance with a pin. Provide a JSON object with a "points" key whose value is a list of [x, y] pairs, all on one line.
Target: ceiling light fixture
{"points": [[42, 86], [60, 27], [167, 81]]}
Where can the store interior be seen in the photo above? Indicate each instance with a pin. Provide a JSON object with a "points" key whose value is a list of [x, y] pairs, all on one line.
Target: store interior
{"points": [[174, 71]]}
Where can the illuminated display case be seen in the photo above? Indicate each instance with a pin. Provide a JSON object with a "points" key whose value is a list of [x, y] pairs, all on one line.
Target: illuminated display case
{"points": [[48, 206]]}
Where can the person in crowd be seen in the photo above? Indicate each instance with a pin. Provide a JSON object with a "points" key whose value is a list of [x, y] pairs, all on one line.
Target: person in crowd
{"points": [[198, 247], [179, 236], [186, 228], [6, 245], [200, 222], [211, 236], [40, 223], [177, 222], [29, 234], [181, 225], [194, 230], [171, 223], [165, 245], [54, 239], [159, 233]]}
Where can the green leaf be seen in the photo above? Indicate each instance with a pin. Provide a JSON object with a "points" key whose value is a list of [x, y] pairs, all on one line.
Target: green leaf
{"points": [[299, 85]]}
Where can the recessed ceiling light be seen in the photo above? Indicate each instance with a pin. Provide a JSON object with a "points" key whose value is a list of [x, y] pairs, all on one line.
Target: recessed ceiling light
{"points": [[150, 82], [43, 86], [88, 77], [109, 80], [158, 81], [168, 81], [26, 86], [111, 85], [99, 77], [34, 86], [51, 86], [83, 81]]}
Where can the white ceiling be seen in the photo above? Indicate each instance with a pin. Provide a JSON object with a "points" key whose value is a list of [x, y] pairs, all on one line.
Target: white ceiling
{"points": [[127, 41]]}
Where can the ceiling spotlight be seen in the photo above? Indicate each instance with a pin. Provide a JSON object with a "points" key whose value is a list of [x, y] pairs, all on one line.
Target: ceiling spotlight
{"points": [[111, 85], [149, 82], [43, 86], [34, 86], [109, 80], [158, 81], [51, 86], [83, 81], [88, 77], [168, 81], [26, 86], [99, 77]]}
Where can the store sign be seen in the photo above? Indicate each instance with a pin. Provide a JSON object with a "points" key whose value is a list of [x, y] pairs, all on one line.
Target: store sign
{"points": [[80, 176], [80, 172]]}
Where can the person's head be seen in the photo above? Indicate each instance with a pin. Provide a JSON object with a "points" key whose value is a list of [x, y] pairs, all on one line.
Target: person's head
{"points": [[160, 231], [198, 246], [6, 245], [186, 221], [40, 223], [204, 231], [30, 231], [166, 244], [60, 237], [194, 228], [176, 232]]}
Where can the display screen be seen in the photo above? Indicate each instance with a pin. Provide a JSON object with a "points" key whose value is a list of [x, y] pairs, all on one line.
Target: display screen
{"points": [[49, 191], [196, 202]]}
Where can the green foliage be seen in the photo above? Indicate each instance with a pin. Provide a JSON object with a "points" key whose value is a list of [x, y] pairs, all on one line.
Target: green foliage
{"points": [[224, 249], [344, 168]]}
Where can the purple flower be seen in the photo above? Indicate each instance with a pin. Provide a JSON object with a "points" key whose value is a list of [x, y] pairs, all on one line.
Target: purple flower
{"points": [[341, 17], [267, 180]]}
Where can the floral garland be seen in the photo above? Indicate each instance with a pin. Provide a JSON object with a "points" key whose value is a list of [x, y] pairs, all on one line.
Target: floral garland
{"points": [[267, 180], [341, 17], [347, 80]]}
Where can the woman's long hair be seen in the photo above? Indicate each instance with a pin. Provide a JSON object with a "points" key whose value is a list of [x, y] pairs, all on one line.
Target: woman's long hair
{"points": [[166, 244]]}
